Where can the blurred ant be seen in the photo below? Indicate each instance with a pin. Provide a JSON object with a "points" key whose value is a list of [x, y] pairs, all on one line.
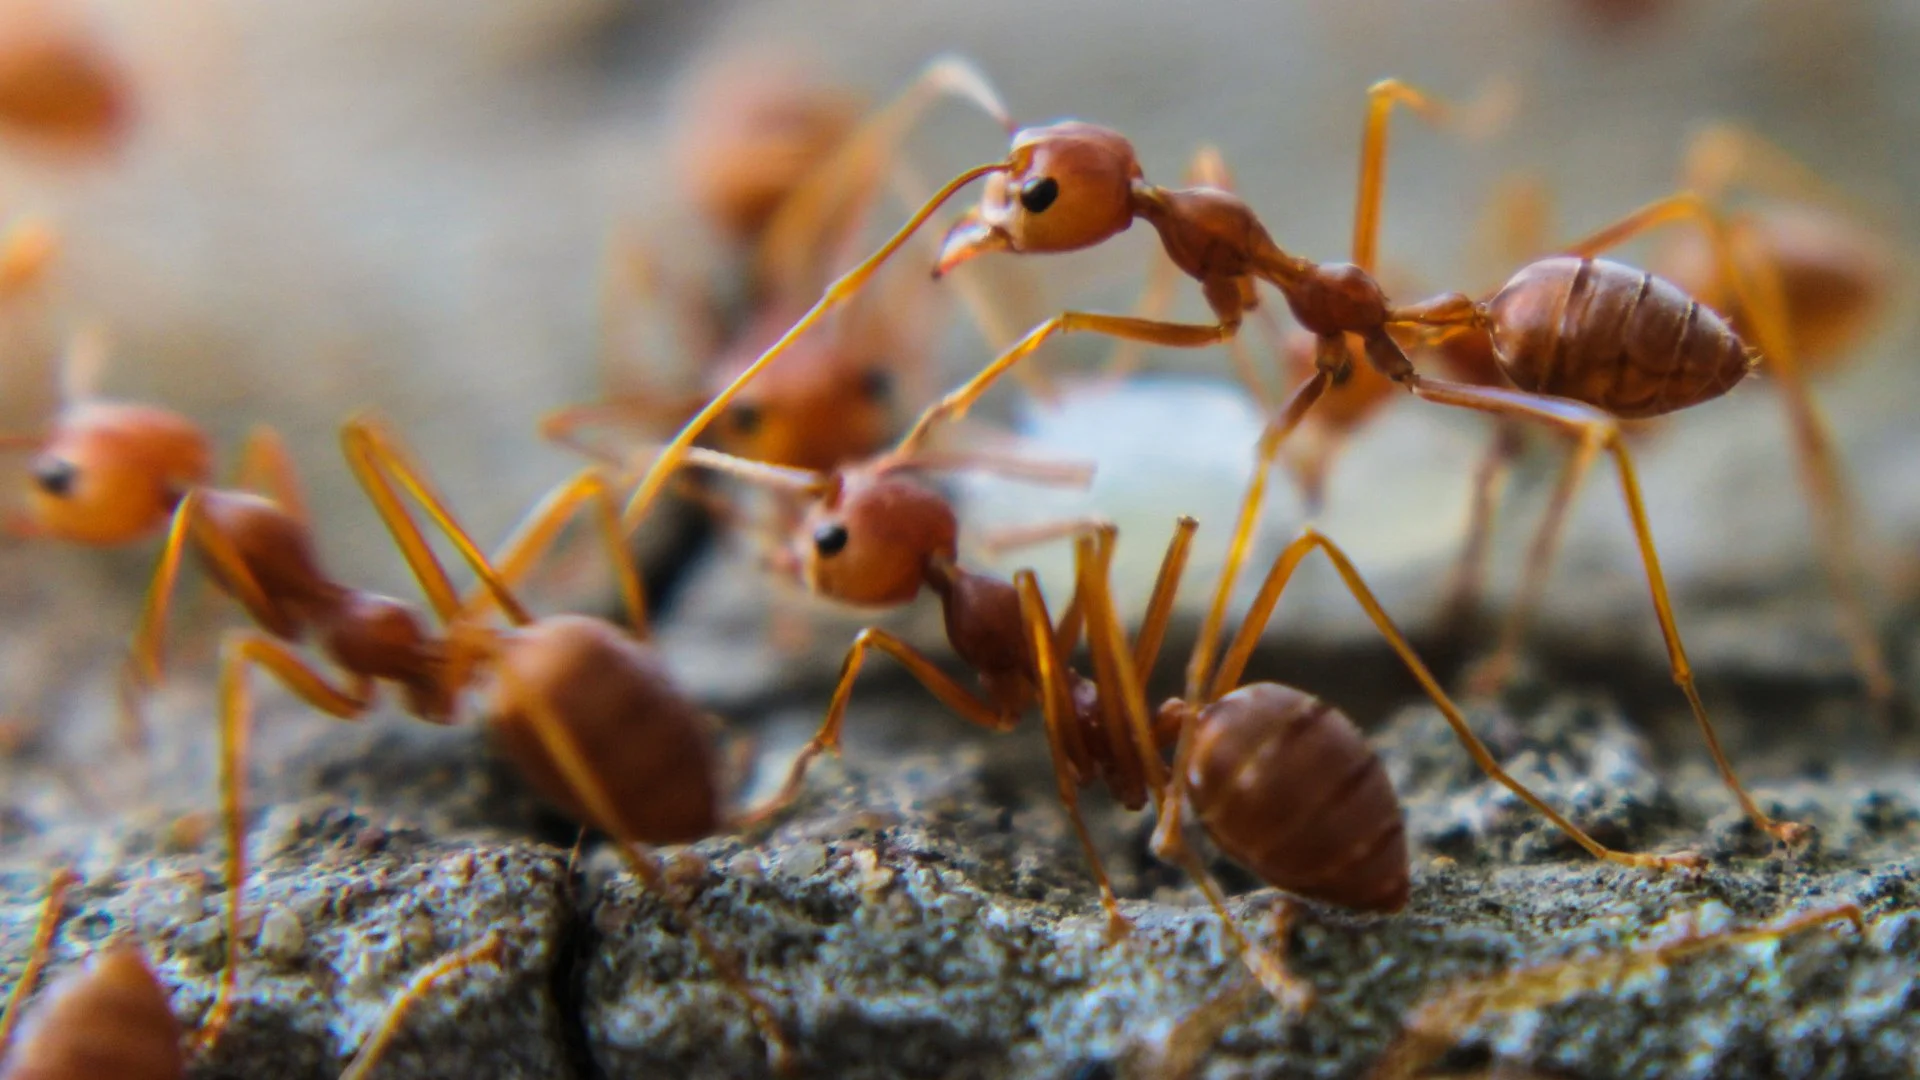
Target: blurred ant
{"points": [[777, 163], [1827, 280], [60, 91], [583, 708], [1445, 1017], [111, 1019], [1640, 348], [873, 536]]}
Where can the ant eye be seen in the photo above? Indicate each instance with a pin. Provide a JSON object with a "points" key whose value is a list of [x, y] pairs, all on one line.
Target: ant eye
{"points": [[744, 418], [876, 384], [830, 540], [1038, 194], [55, 476]]}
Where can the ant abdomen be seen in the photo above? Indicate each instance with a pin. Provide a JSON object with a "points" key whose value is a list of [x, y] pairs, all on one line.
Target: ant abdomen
{"points": [[1289, 788], [1614, 337], [628, 720], [110, 1018]]}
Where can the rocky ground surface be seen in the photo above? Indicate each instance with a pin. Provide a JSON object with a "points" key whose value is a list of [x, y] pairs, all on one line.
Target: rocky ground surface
{"points": [[411, 212]]}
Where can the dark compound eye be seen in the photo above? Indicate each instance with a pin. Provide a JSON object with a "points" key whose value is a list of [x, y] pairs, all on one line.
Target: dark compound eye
{"points": [[876, 384], [1038, 194], [830, 540], [745, 418], [55, 476]]}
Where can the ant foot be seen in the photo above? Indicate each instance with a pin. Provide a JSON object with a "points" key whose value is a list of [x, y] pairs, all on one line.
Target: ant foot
{"points": [[1119, 927], [1792, 834], [1294, 995]]}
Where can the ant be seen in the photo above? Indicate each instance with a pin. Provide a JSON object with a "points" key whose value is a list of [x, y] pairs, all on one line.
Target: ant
{"points": [[874, 536], [1823, 276], [1641, 347], [111, 1017], [59, 89], [572, 699], [777, 163]]}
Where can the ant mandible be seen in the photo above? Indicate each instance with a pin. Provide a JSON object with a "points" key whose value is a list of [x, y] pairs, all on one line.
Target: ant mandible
{"points": [[573, 699], [110, 1019]]}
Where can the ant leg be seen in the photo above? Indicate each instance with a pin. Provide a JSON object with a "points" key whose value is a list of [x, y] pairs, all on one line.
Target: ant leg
{"points": [[1755, 283], [1166, 585], [1123, 695], [1491, 675], [486, 950], [243, 651], [1598, 431], [50, 911], [999, 543], [1169, 843], [592, 794], [1071, 762], [1008, 466], [1725, 157], [1469, 575], [378, 463], [533, 538], [955, 404], [951, 693], [83, 363], [1485, 114], [835, 193], [1278, 428], [1437, 1022], [1261, 611], [145, 659], [562, 426], [845, 288]]}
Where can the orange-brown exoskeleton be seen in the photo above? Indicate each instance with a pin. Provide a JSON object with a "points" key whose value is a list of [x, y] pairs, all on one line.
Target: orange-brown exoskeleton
{"points": [[584, 709], [111, 1019], [60, 89], [1072, 185], [1792, 273], [1321, 821]]}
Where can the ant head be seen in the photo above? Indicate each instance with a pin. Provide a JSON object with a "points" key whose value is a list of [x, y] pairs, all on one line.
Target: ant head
{"points": [[111, 473], [871, 540], [831, 404], [1067, 186]]}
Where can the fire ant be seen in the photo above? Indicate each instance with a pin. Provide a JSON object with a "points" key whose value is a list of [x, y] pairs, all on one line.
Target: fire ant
{"points": [[776, 162], [112, 1018], [1823, 279], [1641, 347], [572, 699], [873, 536]]}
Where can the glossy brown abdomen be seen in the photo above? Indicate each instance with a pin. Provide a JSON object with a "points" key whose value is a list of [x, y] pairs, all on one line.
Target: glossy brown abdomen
{"points": [[1288, 787], [647, 743], [109, 1019], [1614, 337]]}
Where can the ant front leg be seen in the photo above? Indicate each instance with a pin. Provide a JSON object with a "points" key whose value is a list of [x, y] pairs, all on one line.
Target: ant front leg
{"points": [[1152, 332], [1599, 432], [243, 651], [1234, 664], [1754, 282], [1064, 740], [485, 951], [826, 740]]}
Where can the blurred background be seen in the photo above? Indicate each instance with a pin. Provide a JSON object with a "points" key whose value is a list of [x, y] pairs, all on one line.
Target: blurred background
{"points": [[320, 208]]}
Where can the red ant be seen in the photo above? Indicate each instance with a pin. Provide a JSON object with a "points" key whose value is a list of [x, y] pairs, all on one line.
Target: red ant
{"points": [[572, 699], [1642, 348], [777, 163], [111, 1018], [1823, 276], [873, 536]]}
